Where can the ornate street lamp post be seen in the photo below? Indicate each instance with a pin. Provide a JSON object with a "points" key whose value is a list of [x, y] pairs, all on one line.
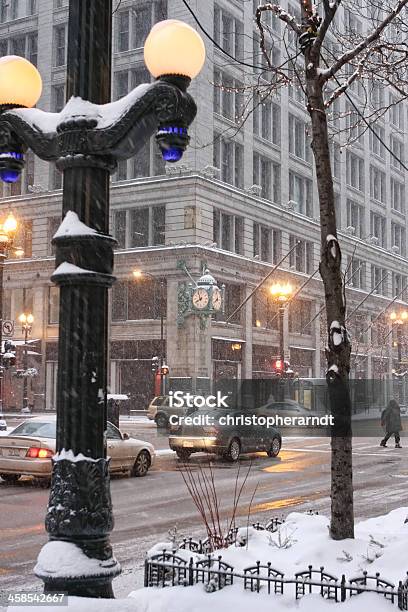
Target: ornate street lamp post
{"points": [[7, 234], [86, 139], [139, 274], [281, 293], [26, 321]]}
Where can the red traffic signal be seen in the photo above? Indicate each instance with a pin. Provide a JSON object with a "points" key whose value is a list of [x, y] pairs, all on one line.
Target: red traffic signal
{"points": [[278, 365]]}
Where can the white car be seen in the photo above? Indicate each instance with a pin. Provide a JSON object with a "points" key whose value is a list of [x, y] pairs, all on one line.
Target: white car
{"points": [[28, 450]]}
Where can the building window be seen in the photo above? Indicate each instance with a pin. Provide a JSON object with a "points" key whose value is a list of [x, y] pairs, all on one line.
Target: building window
{"points": [[138, 300], [266, 174], [355, 171], [266, 119], [60, 45], [377, 138], [32, 48], [133, 26], [264, 311], [355, 217], [119, 225], [53, 305], [228, 96], [31, 7], [158, 224], [397, 147], [266, 243], [228, 157], [18, 46], [14, 9], [335, 159], [301, 259], [228, 32], [123, 27], [397, 196], [273, 53], [24, 237], [396, 112], [57, 98], [378, 227], [398, 240], [299, 142], [228, 231], [300, 315], [399, 286], [53, 225], [356, 273], [301, 193], [379, 280], [269, 18], [377, 184]]}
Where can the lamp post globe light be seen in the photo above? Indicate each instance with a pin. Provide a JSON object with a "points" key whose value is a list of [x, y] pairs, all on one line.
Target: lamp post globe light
{"points": [[8, 231], [86, 140]]}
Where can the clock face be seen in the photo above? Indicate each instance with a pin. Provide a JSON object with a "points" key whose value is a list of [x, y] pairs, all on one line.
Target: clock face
{"points": [[200, 299], [216, 299]]}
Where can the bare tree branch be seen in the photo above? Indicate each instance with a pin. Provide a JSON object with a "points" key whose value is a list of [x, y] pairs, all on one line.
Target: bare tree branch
{"points": [[366, 42]]}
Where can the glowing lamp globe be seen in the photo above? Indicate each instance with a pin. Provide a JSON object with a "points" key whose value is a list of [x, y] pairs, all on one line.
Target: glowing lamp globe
{"points": [[174, 48], [20, 82]]}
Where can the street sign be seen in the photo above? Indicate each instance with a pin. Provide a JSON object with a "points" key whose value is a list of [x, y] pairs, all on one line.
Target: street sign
{"points": [[8, 328]]}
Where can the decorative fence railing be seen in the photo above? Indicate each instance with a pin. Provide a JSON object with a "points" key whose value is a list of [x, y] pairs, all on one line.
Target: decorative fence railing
{"points": [[167, 568]]}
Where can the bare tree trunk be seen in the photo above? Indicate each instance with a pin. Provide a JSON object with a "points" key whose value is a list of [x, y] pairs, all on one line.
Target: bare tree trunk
{"points": [[339, 348]]}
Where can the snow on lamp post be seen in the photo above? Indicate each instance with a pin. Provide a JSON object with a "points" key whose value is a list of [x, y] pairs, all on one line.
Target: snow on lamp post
{"points": [[86, 140]]}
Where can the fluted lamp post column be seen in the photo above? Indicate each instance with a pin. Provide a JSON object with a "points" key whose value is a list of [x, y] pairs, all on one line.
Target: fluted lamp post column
{"points": [[8, 231], [26, 320], [86, 140]]}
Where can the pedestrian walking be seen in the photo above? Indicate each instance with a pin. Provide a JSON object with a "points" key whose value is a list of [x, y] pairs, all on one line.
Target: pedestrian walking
{"points": [[391, 421]]}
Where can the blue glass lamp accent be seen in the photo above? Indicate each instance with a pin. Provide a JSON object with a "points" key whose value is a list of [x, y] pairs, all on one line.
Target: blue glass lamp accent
{"points": [[172, 140], [174, 154], [12, 173]]}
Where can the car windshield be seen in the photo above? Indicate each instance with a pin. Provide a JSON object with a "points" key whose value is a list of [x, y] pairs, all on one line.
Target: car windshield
{"points": [[36, 428]]}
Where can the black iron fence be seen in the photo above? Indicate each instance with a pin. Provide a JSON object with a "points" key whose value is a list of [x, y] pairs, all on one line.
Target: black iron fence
{"points": [[168, 568]]}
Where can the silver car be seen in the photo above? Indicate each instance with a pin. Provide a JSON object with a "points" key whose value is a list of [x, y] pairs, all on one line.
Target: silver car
{"points": [[28, 450]]}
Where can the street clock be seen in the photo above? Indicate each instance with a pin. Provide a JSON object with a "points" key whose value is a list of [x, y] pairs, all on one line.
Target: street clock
{"points": [[204, 298]]}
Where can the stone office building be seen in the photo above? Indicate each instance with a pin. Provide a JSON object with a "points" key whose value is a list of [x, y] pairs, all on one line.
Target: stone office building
{"points": [[241, 198]]}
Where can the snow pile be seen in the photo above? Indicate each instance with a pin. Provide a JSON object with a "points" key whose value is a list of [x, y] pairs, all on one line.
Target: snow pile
{"points": [[68, 268], [380, 545], [64, 559]]}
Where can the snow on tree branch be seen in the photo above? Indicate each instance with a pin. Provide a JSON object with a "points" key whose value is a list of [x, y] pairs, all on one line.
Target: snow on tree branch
{"points": [[351, 54]]}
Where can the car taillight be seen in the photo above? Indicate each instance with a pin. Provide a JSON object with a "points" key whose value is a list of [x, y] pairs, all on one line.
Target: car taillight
{"points": [[39, 453], [210, 430]]}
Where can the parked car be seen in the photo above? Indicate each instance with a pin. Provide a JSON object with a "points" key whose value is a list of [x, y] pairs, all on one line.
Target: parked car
{"points": [[159, 410], [284, 408], [28, 450], [3, 425], [228, 440], [160, 401]]}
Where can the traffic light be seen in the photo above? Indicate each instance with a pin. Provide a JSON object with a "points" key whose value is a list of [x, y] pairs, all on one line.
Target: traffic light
{"points": [[278, 365], [164, 370], [155, 364]]}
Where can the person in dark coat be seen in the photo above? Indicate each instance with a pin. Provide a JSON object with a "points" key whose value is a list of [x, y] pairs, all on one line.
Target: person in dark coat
{"points": [[391, 420]]}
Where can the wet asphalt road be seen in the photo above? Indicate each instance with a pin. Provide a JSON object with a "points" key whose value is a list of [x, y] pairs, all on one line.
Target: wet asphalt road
{"points": [[145, 509]]}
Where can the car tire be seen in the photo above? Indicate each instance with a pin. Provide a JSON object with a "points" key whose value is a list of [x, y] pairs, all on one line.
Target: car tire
{"points": [[274, 448], [234, 450], [142, 464], [162, 421], [183, 454], [10, 478]]}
